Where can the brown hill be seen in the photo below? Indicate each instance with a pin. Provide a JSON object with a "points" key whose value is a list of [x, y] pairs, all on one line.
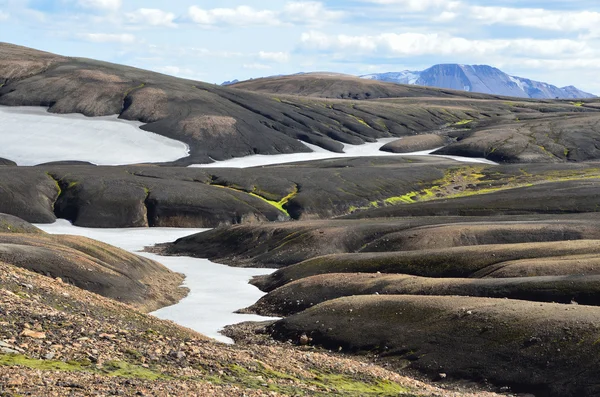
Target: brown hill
{"points": [[342, 86], [90, 265]]}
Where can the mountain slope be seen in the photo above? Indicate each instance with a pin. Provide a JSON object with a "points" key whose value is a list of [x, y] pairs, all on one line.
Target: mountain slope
{"points": [[480, 78]]}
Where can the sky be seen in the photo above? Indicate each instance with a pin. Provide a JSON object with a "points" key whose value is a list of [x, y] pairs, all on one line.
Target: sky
{"points": [[214, 41]]}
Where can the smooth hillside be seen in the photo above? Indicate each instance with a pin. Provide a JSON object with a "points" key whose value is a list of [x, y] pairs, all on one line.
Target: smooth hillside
{"points": [[342, 86]]}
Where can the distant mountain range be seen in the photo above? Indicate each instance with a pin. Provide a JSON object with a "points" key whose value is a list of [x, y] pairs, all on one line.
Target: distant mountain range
{"points": [[480, 78]]}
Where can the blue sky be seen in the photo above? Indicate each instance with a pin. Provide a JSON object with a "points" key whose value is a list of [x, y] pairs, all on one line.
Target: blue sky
{"points": [[553, 41]]}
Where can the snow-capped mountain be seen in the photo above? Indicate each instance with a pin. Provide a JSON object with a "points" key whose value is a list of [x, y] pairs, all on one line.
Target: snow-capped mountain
{"points": [[480, 78]]}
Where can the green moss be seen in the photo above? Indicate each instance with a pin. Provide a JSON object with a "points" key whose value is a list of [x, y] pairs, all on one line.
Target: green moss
{"points": [[124, 369], [72, 184], [113, 368], [58, 188], [280, 205], [321, 384], [47, 365], [566, 152], [361, 121], [348, 386], [463, 122], [129, 91], [578, 104]]}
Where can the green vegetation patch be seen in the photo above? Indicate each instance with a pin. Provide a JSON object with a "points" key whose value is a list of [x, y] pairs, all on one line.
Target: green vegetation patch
{"points": [[361, 121], [112, 368], [129, 91], [124, 369], [320, 384], [280, 205], [347, 386], [44, 365], [463, 122]]}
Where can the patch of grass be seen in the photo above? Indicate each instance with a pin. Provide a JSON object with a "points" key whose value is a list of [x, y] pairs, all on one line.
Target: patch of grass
{"points": [[578, 104]]}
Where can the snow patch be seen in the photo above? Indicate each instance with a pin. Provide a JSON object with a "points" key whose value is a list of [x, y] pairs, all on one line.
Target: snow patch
{"points": [[216, 291], [370, 149], [522, 85], [32, 136]]}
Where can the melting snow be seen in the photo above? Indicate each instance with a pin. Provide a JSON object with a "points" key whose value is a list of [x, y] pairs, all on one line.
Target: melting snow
{"points": [[318, 153], [216, 291], [31, 136]]}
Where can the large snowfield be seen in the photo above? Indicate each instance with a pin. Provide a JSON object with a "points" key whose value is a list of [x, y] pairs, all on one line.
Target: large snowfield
{"points": [[216, 291], [32, 136]]}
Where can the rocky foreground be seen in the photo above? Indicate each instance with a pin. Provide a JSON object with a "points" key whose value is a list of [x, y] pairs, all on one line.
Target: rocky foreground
{"points": [[57, 339]]}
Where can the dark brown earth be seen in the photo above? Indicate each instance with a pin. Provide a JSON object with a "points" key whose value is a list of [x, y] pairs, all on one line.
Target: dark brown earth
{"points": [[90, 265], [543, 348], [307, 292], [216, 122], [411, 144], [342, 86], [280, 245]]}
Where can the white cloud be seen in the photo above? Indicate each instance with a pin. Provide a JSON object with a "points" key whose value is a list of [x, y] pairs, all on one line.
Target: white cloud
{"points": [[239, 16], [4, 16], [123, 38], [417, 44], [152, 17], [178, 71], [110, 5], [309, 12], [418, 5], [294, 12], [280, 57], [569, 21], [256, 66]]}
